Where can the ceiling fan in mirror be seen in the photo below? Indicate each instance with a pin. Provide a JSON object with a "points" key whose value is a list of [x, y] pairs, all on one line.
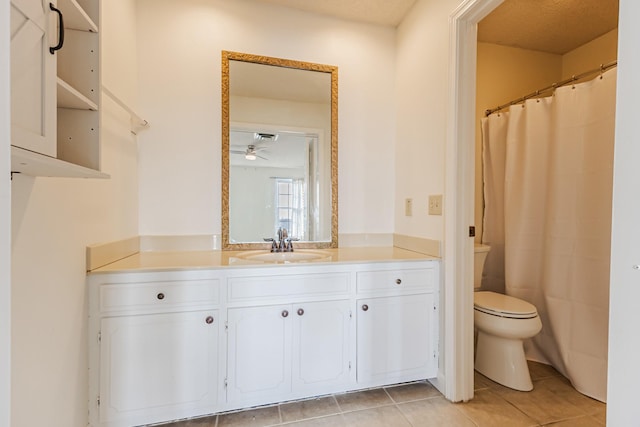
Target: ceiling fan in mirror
{"points": [[260, 140], [251, 153]]}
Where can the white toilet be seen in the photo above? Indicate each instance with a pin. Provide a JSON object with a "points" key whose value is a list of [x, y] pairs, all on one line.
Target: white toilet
{"points": [[502, 322]]}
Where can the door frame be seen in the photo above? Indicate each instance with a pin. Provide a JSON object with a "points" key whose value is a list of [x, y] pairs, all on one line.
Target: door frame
{"points": [[457, 339]]}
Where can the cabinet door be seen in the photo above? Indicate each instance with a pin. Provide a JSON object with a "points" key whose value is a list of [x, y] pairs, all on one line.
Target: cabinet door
{"points": [[33, 77], [158, 367], [320, 345], [259, 353], [394, 339]]}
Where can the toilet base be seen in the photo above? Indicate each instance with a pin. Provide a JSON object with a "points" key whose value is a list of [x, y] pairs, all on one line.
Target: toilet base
{"points": [[502, 360]]}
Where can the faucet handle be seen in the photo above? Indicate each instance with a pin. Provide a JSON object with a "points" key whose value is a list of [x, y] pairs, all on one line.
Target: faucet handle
{"points": [[289, 245], [273, 243]]}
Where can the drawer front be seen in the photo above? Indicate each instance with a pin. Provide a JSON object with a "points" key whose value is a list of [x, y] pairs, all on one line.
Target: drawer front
{"points": [[396, 281], [159, 295], [294, 285]]}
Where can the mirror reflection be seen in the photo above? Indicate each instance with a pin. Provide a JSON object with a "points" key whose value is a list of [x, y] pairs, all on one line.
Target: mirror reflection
{"points": [[279, 152]]}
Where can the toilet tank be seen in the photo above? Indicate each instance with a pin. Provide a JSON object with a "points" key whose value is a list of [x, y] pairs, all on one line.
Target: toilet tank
{"points": [[479, 257]]}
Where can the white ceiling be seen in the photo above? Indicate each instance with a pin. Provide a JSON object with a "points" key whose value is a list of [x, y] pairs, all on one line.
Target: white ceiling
{"points": [[382, 12], [555, 26]]}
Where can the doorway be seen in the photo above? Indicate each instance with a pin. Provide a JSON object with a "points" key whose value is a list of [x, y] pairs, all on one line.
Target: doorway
{"points": [[460, 183]]}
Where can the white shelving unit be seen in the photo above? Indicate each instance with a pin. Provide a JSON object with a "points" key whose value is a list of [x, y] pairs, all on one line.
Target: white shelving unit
{"points": [[74, 147]]}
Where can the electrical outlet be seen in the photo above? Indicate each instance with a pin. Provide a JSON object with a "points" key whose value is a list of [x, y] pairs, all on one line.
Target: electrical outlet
{"points": [[408, 207], [435, 204]]}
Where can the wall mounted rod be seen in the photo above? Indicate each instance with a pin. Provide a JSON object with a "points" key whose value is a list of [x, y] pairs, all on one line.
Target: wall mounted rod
{"points": [[601, 69], [137, 122]]}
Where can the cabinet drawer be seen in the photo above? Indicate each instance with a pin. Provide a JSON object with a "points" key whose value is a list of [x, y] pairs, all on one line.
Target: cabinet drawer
{"points": [[395, 281], [245, 288], [158, 295]]}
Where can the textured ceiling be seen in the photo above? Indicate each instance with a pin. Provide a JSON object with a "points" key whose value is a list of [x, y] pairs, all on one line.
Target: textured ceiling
{"points": [[555, 26], [382, 12]]}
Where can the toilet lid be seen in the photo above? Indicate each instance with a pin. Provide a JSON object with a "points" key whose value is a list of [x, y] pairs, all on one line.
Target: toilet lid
{"points": [[503, 305]]}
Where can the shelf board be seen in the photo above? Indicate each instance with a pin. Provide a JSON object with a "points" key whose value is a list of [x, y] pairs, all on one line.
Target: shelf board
{"points": [[75, 18], [69, 97], [35, 164]]}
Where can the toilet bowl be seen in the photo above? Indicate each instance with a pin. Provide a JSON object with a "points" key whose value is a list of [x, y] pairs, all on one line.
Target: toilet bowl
{"points": [[502, 322]]}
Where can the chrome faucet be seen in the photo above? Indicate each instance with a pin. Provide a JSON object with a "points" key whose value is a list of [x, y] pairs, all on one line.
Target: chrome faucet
{"points": [[283, 243], [283, 234]]}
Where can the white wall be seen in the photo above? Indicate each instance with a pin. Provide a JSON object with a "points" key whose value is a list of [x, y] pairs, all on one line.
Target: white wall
{"points": [[180, 44], [53, 220], [422, 98], [624, 317], [5, 222]]}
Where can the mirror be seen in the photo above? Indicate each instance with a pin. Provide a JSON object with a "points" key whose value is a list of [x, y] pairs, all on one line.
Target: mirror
{"points": [[279, 151]]}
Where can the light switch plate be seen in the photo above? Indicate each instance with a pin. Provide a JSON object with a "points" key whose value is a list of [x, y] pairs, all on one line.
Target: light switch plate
{"points": [[408, 207], [435, 204]]}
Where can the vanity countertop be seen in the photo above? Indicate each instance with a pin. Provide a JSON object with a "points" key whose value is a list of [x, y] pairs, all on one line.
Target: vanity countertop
{"points": [[162, 261]]}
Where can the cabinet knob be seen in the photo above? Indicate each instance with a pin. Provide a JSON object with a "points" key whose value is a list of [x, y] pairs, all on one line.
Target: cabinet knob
{"points": [[300, 312], [160, 295], [398, 281], [209, 320], [365, 307], [285, 313]]}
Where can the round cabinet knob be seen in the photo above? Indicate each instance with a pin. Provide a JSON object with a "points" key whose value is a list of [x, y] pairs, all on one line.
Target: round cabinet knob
{"points": [[365, 307], [209, 320], [160, 296], [285, 313], [398, 281], [300, 312]]}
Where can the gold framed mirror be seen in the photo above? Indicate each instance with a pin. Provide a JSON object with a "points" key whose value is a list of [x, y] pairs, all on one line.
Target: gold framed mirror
{"points": [[279, 151]]}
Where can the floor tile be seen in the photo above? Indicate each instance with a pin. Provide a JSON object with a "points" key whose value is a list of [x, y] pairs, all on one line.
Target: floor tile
{"points": [[488, 409], [562, 387], [601, 415], [434, 412], [480, 381], [539, 370], [550, 400], [385, 416], [363, 399], [196, 422], [260, 417], [331, 421], [311, 408], [585, 421], [412, 391]]}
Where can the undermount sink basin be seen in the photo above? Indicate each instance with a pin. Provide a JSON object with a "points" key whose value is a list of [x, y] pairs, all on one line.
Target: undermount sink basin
{"points": [[300, 255]]}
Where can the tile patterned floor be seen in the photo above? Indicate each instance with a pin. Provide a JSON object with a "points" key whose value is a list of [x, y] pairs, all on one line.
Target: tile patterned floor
{"points": [[553, 402]]}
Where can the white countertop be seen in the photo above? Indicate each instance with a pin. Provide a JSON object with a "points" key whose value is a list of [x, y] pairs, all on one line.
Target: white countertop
{"points": [[161, 261]]}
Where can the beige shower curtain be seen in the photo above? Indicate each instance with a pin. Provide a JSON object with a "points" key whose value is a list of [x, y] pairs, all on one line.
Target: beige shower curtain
{"points": [[548, 172]]}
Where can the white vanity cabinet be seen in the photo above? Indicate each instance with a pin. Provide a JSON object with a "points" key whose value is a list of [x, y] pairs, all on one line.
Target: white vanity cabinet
{"points": [[294, 348], [55, 87], [157, 350], [397, 324], [169, 345]]}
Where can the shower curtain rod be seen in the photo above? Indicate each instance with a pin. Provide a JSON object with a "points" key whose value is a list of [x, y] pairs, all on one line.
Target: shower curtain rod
{"points": [[601, 69]]}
